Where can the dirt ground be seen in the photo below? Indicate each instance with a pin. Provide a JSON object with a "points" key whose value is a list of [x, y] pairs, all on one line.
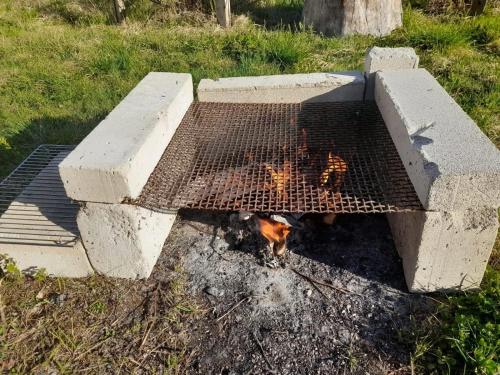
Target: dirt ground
{"points": [[337, 304]]}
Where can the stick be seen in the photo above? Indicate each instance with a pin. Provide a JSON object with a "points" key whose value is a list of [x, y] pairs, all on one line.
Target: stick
{"points": [[342, 290], [246, 299], [312, 282], [263, 352], [2, 310], [92, 348]]}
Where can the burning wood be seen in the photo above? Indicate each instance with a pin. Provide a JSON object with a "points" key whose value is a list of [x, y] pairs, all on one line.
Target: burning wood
{"points": [[335, 165], [280, 179], [275, 233]]}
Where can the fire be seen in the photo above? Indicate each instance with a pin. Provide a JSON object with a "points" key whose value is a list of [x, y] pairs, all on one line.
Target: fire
{"points": [[275, 233], [280, 179], [335, 165]]}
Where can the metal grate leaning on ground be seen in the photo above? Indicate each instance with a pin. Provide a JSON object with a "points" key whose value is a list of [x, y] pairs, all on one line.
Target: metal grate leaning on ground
{"points": [[308, 157], [34, 208]]}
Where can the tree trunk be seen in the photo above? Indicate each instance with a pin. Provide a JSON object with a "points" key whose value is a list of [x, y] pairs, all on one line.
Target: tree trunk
{"points": [[119, 8], [477, 7], [223, 12], [346, 17]]}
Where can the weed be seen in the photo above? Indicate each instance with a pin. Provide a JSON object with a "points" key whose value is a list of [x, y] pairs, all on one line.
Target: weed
{"points": [[466, 338], [40, 275], [9, 268]]}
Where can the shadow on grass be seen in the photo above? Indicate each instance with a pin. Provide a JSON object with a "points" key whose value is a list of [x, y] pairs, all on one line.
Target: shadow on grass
{"points": [[272, 14], [46, 130]]}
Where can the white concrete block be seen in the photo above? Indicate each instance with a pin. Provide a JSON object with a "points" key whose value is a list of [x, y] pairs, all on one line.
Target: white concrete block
{"points": [[444, 250], [57, 260], [287, 88], [123, 240], [378, 58], [116, 159], [450, 162]]}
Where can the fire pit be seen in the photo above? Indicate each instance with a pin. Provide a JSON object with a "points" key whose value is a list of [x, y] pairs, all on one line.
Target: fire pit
{"points": [[388, 141]]}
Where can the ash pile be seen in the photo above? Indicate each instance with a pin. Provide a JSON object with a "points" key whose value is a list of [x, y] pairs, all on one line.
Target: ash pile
{"points": [[290, 294]]}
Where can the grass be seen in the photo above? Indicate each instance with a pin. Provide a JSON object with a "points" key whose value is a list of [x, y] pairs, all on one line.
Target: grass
{"points": [[92, 325], [60, 75], [64, 66]]}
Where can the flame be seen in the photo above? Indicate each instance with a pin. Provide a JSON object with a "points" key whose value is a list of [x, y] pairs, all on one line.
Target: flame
{"points": [[280, 178], [335, 165], [275, 233]]}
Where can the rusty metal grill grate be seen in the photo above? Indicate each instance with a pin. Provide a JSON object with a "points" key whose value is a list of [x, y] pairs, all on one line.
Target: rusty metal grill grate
{"points": [[34, 208], [309, 157]]}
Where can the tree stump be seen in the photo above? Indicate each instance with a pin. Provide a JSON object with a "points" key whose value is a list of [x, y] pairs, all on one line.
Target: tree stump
{"points": [[223, 12], [347, 17]]}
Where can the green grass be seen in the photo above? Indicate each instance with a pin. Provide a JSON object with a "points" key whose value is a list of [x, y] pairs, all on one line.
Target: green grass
{"points": [[64, 66], [61, 74], [463, 337]]}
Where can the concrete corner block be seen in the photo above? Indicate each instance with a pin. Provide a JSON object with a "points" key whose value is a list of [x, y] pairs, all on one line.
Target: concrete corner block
{"points": [[451, 163], [123, 240], [116, 159], [59, 261], [286, 88], [444, 251], [378, 58]]}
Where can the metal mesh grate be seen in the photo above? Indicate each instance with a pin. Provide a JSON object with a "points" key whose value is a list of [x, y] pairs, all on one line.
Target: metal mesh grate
{"points": [[34, 208], [310, 157]]}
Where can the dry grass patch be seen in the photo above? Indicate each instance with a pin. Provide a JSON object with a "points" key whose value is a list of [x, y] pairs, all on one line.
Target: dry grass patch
{"points": [[94, 325]]}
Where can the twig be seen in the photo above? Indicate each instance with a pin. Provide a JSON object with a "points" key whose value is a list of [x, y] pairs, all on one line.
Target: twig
{"points": [[2, 310], [146, 335], [342, 290], [312, 282], [136, 363], [261, 348], [246, 299], [92, 348]]}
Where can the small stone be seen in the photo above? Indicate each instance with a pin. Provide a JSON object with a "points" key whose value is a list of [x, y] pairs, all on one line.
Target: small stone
{"points": [[344, 336], [57, 299], [210, 290], [244, 215], [40, 294], [308, 292]]}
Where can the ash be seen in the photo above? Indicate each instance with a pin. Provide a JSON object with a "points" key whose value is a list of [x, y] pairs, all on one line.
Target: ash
{"points": [[337, 303]]}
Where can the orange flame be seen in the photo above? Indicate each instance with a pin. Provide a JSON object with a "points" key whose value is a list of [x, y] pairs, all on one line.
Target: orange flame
{"points": [[335, 165], [280, 178], [275, 233]]}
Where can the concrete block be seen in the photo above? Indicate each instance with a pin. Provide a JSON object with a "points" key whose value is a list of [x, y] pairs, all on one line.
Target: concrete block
{"points": [[57, 260], [288, 88], [444, 250], [123, 240], [378, 58], [116, 159], [451, 163]]}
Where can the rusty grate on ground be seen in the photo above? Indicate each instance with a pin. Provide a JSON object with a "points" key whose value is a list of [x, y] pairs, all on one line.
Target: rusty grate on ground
{"points": [[34, 207], [309, 157]]}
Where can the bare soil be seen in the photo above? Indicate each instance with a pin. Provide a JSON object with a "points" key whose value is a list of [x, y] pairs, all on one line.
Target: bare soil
{"points": [[337, 303]]}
